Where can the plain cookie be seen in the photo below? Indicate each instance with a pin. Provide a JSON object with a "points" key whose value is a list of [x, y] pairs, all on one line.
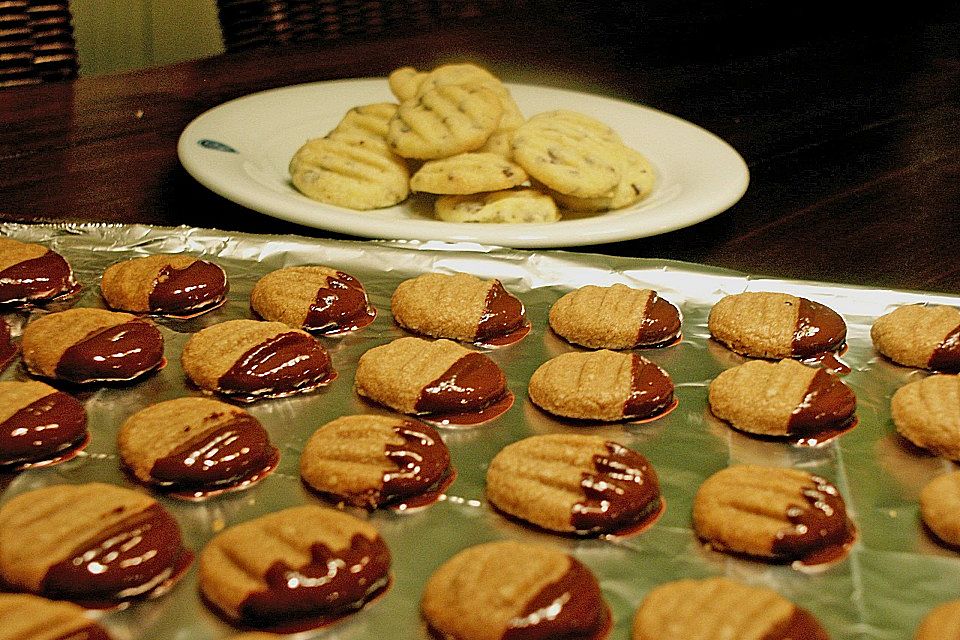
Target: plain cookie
{"points": [[927, 413], [515, 206], [940, 623], [940, 507], [467, 173]]}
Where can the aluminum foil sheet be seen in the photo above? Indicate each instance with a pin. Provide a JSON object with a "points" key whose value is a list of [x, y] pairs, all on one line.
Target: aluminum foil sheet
{"points": [[892, 577]]}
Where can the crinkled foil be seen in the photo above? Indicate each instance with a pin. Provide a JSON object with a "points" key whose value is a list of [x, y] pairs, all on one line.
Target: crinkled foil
{"points": [[892, 577]]}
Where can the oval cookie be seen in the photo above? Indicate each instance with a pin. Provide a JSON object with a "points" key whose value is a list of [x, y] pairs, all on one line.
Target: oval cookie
{"points": [[927, 413], [164, 284], [516, 206], [919, 335], [467, 173], [38, 423], [940, 507], [32, 273], [27, 617], [636, 183], [940, 623]]}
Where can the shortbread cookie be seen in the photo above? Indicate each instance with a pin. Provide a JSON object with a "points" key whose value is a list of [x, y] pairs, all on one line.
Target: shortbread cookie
{"points": [[405, 82], [781, 399], [940, 507], [247, 360], [32, 273], [927, 413], [91, 345], [776, 325], [458, 306], [164, 284], [314, 298], [574, 484], [467, 173], [721, 609], [501, 590], [516, 206], [39, 423], [302, 561], [940, 623], [467, 73], [919, 335], [197, 445], [89, 542], [601, 385], [367, 123], [370, 460], [27, 617], [772, 513], [636, 183], [615, 317]]}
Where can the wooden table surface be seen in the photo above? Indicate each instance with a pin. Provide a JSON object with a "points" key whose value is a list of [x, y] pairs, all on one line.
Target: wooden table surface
{"points": [[850, 131]]}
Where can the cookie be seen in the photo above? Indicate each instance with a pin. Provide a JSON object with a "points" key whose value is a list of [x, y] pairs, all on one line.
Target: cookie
{"points": [[366, 124], [940, 507], [301, 561], [32, 273], [164, 284], [574, 484], [773, 514], [927, 413], [615, 317], [516, 206], [196, 445], [460, 307], [776, 325], [91, 345], [919, 335], [405, 82], [370, 460], [636, 183], [39, 424], [601, 385], [467, 173], [314, 298], [940, 623], [721, 609], [513, 589], [27, 617], [432, 378], [247, 360], [89, 543], [467, 73], [782, 398]]}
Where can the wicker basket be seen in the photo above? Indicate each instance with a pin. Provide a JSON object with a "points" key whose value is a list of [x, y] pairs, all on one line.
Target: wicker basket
{"points": [[36, 42]]}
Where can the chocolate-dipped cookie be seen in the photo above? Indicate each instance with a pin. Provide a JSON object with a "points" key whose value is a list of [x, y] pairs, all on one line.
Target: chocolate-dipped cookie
{"points": [[28, 617], [317, 299], [196, 446], [940, 623], [574, 484], [616, 317], [940, 507], [32, 273], [247, 360], [927, 413], [601, 385], [460, 307], [39, 424], [165, 284], [721, 609], [510, 590], [91, 345], [89, 542], [301, 562], [920, 335], [370, 460]]}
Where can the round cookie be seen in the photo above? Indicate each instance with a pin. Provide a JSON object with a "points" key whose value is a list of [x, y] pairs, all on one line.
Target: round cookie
{"points": [[601, 385], [460, 307], [196, 445], [773, 514], [574, 484], [776, 325], [782, 398], [39, 424], [32, 273], [516, 206], [467, 173], [615, 317], [314, 298], [339, 562], [721, 609], [371, 460], [940, 623], [920, 335], [90, 543], [940, 507], [636, 183], [247, 360], [164, 284], [501, 590], [367, 123], [927, 413], [405, 82], [27, 617], [91, 345]]}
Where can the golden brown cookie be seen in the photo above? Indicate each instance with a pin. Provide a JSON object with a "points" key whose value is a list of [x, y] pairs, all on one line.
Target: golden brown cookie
{"points": [[927, 413], [721, 609], [314, 298], [366, 124], [776, 325], [574, 484], [89, 542], [91, 345], [27, 617], [940, 507], [920, 335], [467, 173], [164, 284], [515, 206], [601, 385], [405, 82], [615, 317], [302, 561], [941, 623], [39, 424], [501, 589], [772, 513], [247, 360], [371, 460], [32, 273], [636, 183]]}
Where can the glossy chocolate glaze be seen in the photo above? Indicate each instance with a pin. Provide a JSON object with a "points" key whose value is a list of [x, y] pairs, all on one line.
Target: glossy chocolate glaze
{"points": [[7, 347], [340, 306], [201, 284], [800, 626], [623, 490], [821, 530], [331, 582], [43, 429], [40, 278], [819, 329], [289, 362], [121, 352], [660, 325], [827, 405], [946, 357], [422, 460], [503, 313], [470, 384], [651, 391], [93, 632]]}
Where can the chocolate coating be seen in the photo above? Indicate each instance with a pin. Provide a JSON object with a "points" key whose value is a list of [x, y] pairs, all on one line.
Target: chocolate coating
{"points": [[661, 323], [93, 632], [7, 347], [36, 279], [827, 404], [502, 314], [121, 352], [421, 461], [340, 306], [287, 363], [819, 329], [201, 284], [946, 357], [821, 527], [470, 384], [651, 391], [43, 429], [800, 626], [623, 491]]}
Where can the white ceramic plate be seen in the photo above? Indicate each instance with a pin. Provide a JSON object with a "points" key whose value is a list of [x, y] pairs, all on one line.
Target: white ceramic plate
{"points": [[241, 150]]}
